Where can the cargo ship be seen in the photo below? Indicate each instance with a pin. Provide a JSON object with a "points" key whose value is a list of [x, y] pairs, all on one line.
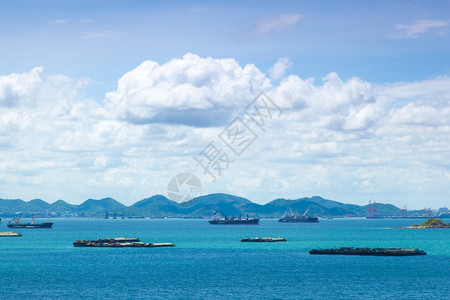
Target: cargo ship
{"points": [[15, 223], [369, 251], [119, 242], [217, 219], [265, 239], [298, 219]]}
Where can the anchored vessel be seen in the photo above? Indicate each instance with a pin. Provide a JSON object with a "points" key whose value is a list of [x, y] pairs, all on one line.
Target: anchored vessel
{"points": [[217, 219], [15, 223], [119, 242], [265, 239], [9, 234], [369, 251], [298, 219]]}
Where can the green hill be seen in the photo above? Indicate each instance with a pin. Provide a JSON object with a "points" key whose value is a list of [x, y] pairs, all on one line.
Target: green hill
{"points": [[203, 206]]}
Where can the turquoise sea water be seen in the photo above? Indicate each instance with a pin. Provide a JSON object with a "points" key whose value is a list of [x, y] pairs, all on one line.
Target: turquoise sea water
{"points": [[210, 262]]}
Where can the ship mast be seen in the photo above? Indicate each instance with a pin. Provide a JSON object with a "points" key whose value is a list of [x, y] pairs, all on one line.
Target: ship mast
{"points": [[32, 222], [18, 222]]}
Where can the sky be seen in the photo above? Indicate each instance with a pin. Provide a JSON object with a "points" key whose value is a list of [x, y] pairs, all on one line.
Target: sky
{"points": [[348, 100]]}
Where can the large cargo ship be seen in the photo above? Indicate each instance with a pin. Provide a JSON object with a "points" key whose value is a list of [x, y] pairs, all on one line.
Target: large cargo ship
{"points": [[217, 219], [16, 223], [298, 219]]}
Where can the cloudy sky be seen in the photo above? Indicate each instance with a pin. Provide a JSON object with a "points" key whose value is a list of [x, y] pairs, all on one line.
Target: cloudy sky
{"points": [[114, 98]]}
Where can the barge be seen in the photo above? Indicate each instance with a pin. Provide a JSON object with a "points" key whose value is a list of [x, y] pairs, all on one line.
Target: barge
{"points": [[265, 239], [369, 251], [9, 234], [119, 242]]}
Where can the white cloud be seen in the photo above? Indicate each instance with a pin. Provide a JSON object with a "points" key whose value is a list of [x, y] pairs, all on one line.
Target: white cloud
{"points": [[419, 27], [103, 34], [59, 22], [271, 24], [433, 88], [192, 91], [421, 114], [343, 139], [279, 68], [18, 89]]}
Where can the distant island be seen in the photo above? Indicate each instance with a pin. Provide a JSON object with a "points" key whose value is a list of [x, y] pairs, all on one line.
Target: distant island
{"points": [[159, 206], [431, 223]]}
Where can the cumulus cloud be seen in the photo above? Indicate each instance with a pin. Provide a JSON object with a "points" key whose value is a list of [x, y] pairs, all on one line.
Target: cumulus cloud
{"points": [[279, 68], [335, 137], [419, 27], [421, 114], [191, 91], [18, 89]]}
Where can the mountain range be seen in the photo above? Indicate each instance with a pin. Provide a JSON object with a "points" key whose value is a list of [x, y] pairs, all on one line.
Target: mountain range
{"points": [[200, 207]]}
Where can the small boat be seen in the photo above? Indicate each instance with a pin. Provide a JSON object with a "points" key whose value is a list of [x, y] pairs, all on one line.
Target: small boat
{"points": [[119, 242], [369, 251], [15, 223], [265, 239]]}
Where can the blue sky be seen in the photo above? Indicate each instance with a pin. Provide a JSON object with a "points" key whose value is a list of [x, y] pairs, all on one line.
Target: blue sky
{"points": [[102, 40], [87, 73]]}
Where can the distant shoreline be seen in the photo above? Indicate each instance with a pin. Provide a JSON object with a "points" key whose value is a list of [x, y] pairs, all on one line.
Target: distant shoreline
{"points": [[424, 227], [159, 206]]}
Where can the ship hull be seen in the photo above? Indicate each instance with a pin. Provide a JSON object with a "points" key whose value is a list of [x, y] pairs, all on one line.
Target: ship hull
{"points": [[235, 222], [263, 240], [29, 225], [120, 242], [369, 251], [299, 220]]}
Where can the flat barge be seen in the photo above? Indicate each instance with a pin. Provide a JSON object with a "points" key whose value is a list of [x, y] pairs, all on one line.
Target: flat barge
{"points": [[119, 242], [369, 251], [9, 234], [263, 240]]}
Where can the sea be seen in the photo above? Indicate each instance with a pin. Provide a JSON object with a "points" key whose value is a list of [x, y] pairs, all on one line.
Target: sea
{"points": [[210, 262]]}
